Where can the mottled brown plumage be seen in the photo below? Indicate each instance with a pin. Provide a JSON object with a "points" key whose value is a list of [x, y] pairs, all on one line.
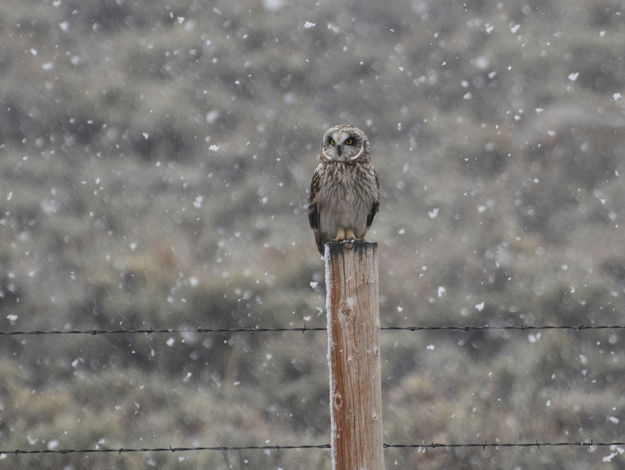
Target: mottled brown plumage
{"points": [[344, 191]]}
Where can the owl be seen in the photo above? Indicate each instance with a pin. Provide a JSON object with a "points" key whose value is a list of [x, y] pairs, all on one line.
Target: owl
{"points": [[344, 191]]}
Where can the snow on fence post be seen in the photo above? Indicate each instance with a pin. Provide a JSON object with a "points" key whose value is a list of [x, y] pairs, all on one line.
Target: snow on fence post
{"points": [[351, 270]]}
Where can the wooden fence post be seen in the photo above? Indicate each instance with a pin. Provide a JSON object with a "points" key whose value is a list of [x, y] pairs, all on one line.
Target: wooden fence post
{"points": [[354, 355]]}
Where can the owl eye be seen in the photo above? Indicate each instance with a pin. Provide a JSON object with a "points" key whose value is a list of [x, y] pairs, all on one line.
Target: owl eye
{"points": [[349, 142], [331, 141]]}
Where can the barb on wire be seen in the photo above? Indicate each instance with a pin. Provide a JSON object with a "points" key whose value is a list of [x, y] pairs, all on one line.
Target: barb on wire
{"points": [[432, 445], [304, 329]]}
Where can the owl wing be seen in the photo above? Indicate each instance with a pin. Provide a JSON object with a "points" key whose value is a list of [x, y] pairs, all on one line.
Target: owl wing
{"points": [[313, 208], [376, 203]]}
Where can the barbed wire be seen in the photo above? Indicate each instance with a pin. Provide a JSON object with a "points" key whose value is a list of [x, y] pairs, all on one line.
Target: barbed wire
{"points": [[126, 450], [278, 448], [149, 331], [579, 327], [305, 328], [484, 445]]}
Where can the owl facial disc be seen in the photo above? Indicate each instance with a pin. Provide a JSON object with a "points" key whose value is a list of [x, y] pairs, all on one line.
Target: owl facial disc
{"points": [[343, 144]]}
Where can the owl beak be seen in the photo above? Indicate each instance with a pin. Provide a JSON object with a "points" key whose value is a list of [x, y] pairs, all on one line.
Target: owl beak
{"points": [[338, 150]]}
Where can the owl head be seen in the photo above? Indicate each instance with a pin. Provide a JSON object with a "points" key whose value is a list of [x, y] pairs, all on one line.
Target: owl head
{"points": [[345, 144]]}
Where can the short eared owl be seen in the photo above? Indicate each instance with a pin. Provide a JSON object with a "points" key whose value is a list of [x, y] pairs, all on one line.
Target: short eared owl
{"points": [[344, 192]]}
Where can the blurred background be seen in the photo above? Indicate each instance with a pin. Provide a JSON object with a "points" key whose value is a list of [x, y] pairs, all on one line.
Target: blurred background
{"points": [[155, 158]]}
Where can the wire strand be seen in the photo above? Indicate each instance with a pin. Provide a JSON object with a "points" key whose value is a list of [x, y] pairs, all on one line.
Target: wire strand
{"points": [[149, 331], [125, 450], [432, 445], [484, 445], [579, 327], [305, 328]]}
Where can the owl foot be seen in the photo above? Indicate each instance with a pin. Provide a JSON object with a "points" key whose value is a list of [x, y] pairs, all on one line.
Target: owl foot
{"points": [[346, 237], [340, 235]]}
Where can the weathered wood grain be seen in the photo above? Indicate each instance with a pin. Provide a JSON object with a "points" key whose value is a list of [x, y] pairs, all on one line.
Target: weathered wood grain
{"points": [[354, 355]]}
